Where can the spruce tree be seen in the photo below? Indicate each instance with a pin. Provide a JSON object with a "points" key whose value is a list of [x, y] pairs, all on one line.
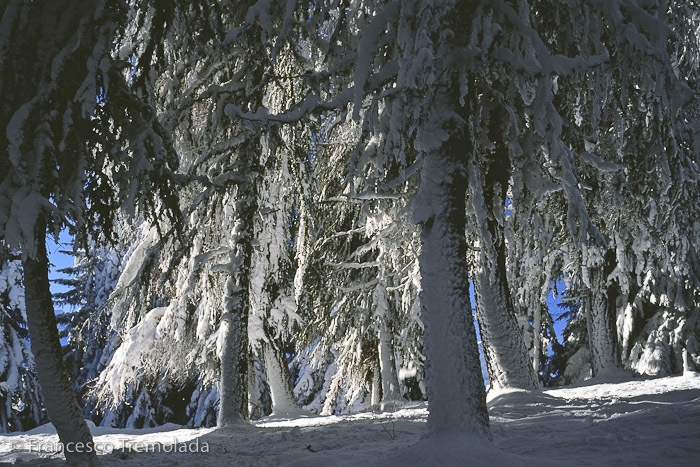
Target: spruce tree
{"points": [[67, 162]]}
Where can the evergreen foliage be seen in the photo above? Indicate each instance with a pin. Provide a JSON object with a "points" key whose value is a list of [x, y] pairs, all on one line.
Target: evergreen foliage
{"points": [[20, 394], [277, 206]]}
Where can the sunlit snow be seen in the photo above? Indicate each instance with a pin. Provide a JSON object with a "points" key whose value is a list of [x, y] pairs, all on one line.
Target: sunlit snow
{"points": [[640, 422]]}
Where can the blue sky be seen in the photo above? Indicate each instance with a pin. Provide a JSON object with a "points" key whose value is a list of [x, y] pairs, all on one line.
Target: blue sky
{"points": [[59, 260]]}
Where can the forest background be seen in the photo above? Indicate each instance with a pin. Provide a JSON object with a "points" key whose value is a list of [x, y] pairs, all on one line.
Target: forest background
{"points": [[279, 206]]}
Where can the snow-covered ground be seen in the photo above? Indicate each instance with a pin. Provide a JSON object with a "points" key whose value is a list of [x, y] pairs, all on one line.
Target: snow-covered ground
{"points": [[639, 422]]}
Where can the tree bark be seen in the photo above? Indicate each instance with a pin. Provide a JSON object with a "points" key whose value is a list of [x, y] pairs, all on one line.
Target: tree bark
{"points": [[59, 399], [387, 368], [233, 389], [601, 313], [506, 355], [233, 402], [536, 338], [389, 380], [456, 393], [376, 385], [283, 403], [233, 386]]}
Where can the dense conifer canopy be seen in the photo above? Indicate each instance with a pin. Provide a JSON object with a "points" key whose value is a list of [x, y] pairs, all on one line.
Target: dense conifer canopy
{"points": [[283, 206]]}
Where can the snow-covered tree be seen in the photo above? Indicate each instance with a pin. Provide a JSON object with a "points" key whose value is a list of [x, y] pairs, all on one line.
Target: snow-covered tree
{"points": [[629, 120], [363, 307], [20, 395], [658, 327], [571, 362], [342, 165], [68, 160], [436, 96], [90, 282], [506, 356], [226, 278]]}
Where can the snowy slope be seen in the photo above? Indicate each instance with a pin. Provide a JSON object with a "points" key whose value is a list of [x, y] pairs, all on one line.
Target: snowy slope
{"points": [[642, 422]]}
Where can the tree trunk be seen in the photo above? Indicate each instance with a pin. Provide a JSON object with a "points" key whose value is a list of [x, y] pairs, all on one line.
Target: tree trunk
{"points": [[506, 355], [387, 368], [504, 349], [283, 402], [376, 385], [601, 312], [233, 388], [456, 393], [59, 399], [536, 338], [256, 386], [387, 364]]}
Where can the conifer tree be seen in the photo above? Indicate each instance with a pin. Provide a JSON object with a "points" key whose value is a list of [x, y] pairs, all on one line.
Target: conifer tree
{"points": [[67, 161], [20, 395]]}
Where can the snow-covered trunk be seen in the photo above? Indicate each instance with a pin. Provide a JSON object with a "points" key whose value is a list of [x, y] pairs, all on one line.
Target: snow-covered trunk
{"points": [[504, 349], [536, 338], [601, 315], [272, 309], [387, 363], [5, 410], [691, 361], [456, 393], [59, 399], [304, 238], [17, 373], [506, 355], [376, 385], [256, 387], [233, 386], [387, 367], [281, 393]]}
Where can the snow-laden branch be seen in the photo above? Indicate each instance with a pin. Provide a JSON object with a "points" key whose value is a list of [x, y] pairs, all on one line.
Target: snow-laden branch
{"points": [[311, 104]]}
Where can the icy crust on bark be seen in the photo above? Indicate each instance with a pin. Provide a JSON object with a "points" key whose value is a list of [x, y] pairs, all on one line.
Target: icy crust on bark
{"points": [[455, 385], [452, 364], [59, 399]]}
